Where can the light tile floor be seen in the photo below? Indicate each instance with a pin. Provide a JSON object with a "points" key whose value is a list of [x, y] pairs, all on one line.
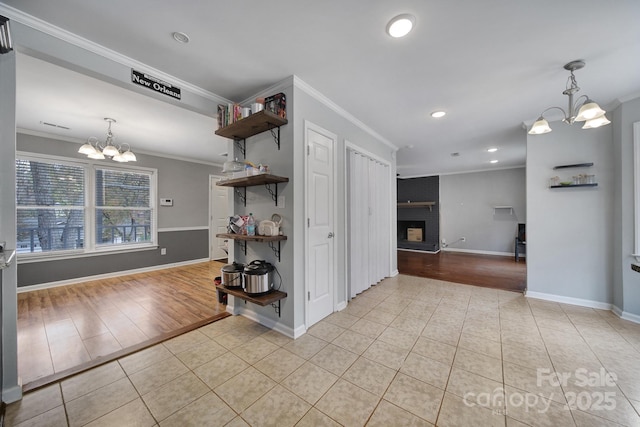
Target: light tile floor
{"points": [[409, 351]]}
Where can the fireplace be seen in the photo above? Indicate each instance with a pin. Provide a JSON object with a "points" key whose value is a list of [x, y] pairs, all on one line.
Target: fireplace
{"points": [[411, 231]]}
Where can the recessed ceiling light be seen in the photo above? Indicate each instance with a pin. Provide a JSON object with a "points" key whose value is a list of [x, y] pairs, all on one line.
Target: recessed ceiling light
{"points": [[493, 161], [438, 114], [492, 150], [401, 25], [180, 37]]}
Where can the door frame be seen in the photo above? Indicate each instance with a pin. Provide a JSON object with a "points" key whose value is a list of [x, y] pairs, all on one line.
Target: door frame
{"points": [[348, 145], [307, 127], [212, 227]]}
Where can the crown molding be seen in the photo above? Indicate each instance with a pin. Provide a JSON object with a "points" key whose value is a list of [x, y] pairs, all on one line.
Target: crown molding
{"points": [[47, 28], [318, 96]]}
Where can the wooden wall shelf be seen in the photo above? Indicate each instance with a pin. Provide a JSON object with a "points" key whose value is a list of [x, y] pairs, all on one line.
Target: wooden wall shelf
{"points": [[249, 181], [254, 124], [429, 205], [262, 300]]}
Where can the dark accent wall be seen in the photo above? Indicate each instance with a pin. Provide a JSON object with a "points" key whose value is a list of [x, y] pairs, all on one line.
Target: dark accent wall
{"points": [[181, 246], [425, 189]]}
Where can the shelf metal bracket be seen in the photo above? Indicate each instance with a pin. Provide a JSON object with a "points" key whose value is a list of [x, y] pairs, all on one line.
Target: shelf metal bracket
{"points": [[276, 307], [241, 144], [275, 250], [274, 194], [276, 138], [242, 194], [243, 246]]}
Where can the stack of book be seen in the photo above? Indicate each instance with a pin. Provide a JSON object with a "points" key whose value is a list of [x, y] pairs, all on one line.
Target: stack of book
{"points": [[228, 114]]}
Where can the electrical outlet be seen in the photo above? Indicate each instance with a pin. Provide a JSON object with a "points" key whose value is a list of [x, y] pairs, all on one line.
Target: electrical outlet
{"points": [[163, 251], [464, 239]]}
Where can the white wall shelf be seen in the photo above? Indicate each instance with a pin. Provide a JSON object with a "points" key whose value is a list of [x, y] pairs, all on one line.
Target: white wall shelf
{"points": [[497, 209]]}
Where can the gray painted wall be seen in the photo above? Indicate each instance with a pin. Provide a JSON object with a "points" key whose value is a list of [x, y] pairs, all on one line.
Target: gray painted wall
{"points": [[186, 182], [11, 391], [307, 107], [182, 246], [467, 209], [570, 230], [626, 296], [425, 189]]}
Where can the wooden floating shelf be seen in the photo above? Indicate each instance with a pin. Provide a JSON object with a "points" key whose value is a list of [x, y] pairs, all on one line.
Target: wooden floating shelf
{"points": [[248, 181], [251, 238], [577, 165], [429, 205], [261, 300], [573, 186], [252, 125]]}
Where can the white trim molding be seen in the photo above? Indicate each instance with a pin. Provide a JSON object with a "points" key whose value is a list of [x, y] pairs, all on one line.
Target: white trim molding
{"points": [[74, 39], [76, 280], [315, 94], [626, 315], [569, 300], [476, 251], [172, 229], [636, 183]]}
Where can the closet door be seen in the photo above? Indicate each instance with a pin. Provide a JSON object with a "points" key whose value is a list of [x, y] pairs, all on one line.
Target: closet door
{"points": [[368, 219]]}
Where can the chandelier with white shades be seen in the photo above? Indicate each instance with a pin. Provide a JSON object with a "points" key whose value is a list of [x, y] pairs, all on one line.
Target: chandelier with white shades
{"points": [[96, 149], [588, 111]]}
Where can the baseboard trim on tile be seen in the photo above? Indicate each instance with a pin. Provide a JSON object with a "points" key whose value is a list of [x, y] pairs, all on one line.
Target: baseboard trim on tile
{"points": [[270, 323], [569, 300], [626, 315]]}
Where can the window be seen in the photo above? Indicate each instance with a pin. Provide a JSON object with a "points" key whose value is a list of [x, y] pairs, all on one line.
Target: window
{"points": [[636, 169], [123, 207], [67, 208], [50, 206]]}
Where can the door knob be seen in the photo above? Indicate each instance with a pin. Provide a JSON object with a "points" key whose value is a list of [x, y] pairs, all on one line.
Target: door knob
{"points": [[330, 235]]}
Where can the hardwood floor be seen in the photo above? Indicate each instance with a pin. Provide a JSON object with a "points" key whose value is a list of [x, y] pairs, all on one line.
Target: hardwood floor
{"points": [[67, 329], [499, 272]]}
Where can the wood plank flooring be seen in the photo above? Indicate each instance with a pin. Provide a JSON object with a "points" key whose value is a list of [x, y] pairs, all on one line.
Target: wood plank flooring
{"points": [[499, 272], [66, 329]]}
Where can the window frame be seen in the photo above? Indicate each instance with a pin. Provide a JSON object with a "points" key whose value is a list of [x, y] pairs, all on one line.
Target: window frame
{"points": [[636, 181], [90, 247]]}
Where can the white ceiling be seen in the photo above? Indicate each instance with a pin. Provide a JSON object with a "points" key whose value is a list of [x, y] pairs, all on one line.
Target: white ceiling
{"points": [[491, 65]]}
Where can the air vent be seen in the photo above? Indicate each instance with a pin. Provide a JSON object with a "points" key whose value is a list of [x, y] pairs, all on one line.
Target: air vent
{"points": [[53, 125]]}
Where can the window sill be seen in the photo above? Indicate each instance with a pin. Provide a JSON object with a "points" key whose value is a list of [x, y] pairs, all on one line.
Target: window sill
{"points": [[28, 258]]}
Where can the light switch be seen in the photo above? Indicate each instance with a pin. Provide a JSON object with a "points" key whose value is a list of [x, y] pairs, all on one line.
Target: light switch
{"points": [[166, 202]]}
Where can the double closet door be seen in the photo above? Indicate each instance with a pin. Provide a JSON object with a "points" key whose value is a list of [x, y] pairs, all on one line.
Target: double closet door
{"points": [[369, 221]]}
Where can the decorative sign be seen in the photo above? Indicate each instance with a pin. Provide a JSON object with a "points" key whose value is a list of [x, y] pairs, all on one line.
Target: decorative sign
{"points": [[155, 84]]}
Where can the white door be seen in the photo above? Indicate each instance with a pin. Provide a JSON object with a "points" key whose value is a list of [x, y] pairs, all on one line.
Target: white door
{"points": [[219, 208], [320, 222]]}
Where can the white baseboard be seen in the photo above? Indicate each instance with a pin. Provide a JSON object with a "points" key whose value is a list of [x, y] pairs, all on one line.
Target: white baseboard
{"points": [[394, 273], [419, 251], [341, 306], [626, 315], [270, 323], [569, 300], [108, 275], [475, 251], [617, 311]]}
